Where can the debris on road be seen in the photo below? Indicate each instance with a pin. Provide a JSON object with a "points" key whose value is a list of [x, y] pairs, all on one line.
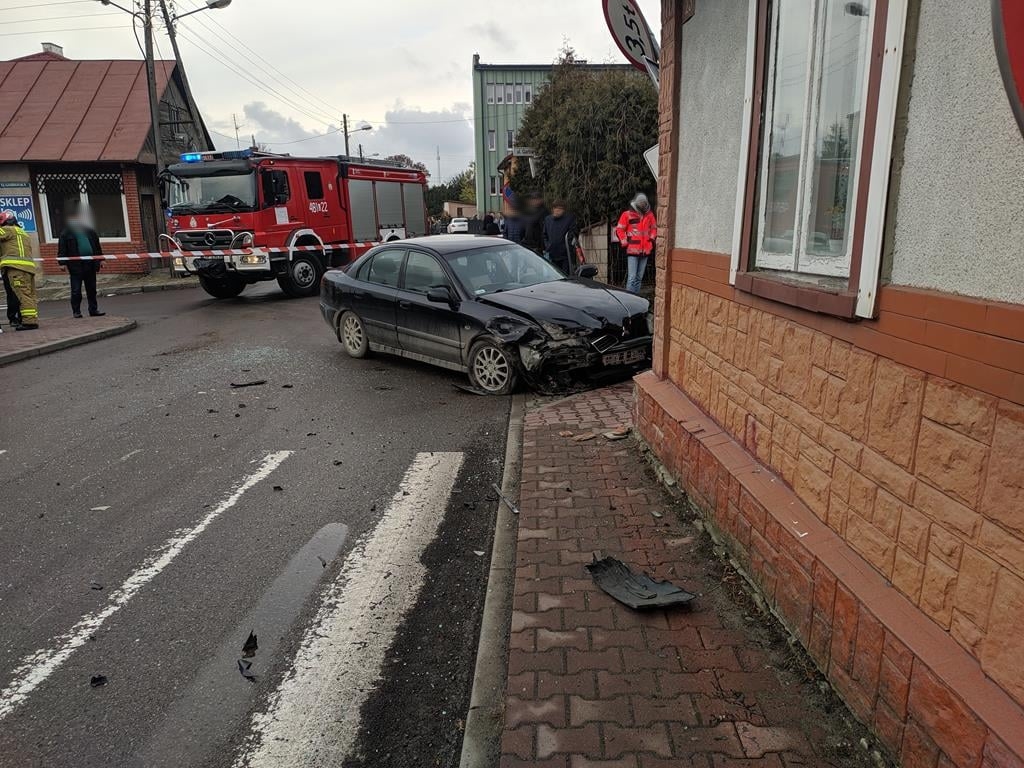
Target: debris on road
{"points": [[582, 438], [638, 591], [656, 513], [323, 563], [250, 646], [478, 552], [512, 507], [256, 383], [95, 585], [619, 433], [244, 668], [99, 509], [278, 487], [286, 386], [97, 680], [565, 433]]}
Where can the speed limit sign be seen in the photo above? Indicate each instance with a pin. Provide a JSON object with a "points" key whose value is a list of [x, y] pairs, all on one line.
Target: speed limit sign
{"points": [[633, 36]]}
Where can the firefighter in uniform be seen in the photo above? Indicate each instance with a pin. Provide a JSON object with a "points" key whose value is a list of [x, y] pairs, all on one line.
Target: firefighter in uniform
{"points": [[19, 268], [637, 231]]}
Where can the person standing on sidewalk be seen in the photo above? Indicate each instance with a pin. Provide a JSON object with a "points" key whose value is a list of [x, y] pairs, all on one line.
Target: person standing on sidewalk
{"points": [[13, 305], [19, 268], [637, 231], [559, 229], [533, 224], [80, 239]]}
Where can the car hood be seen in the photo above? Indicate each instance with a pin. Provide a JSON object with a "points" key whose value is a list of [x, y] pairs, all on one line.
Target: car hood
{"points": [[571, 303]]}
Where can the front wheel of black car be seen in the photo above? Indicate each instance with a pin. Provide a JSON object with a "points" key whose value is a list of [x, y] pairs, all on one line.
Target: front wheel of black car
{"points": [[352, 335], [302, 277], [222, 288], [491, 368]]}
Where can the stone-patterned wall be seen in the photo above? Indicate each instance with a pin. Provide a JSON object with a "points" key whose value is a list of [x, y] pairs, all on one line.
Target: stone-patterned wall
{"points": [[921, 476]]}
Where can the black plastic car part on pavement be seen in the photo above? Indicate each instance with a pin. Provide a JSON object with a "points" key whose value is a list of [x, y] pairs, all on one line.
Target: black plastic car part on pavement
{"points": [[489, 308]]}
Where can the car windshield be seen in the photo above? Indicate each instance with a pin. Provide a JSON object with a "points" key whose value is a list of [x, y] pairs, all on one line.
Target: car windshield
{"points": [[209, 194], [500, 268]]}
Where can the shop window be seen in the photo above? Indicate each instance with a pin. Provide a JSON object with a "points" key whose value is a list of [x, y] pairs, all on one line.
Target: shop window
{"points": [[101, 193]]}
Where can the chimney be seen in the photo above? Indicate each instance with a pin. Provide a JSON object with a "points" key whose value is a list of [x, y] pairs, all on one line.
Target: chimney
{"points": [[53, 48]]}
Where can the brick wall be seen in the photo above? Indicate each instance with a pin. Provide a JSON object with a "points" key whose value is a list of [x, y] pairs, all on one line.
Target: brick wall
{"points": [[48, 251]]}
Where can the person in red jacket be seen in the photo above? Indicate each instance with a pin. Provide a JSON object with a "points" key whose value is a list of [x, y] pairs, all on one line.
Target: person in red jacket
{"points": [[637, 231]]}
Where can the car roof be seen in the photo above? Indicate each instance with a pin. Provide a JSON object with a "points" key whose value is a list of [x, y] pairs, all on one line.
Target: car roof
{"points": [[444, 244]]}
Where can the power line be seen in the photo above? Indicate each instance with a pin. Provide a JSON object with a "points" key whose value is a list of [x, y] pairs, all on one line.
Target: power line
{"points": [[57, 31], [58, 18], [241, 73], [43, 5], [249, 52]]}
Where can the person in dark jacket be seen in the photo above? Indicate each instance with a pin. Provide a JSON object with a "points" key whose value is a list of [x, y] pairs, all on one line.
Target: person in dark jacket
{"points": [[559, 230], [490, 226], [533, 224], [80, 239]]}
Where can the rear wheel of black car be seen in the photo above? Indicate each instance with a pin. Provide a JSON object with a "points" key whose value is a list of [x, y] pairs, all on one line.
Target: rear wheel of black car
{"points": [[222, 288], [491, 368], [301, 277], [352, 335]]}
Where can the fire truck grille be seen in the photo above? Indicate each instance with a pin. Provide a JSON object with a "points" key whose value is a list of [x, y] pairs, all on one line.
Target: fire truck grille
{"points": [[202, 239]]}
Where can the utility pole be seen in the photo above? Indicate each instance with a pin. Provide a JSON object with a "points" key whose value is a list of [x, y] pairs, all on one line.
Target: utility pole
{"points": [[235, 121], [192, 108], [344, 123], [154, 105], [360, 153]]}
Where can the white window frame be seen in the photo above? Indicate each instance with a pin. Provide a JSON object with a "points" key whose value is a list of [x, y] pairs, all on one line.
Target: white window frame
{"points": [[879, 162], [494, 186], [490, 93], [492, 140], [510, 93], [510, 139], [519, 93], [51, 238], [499, 93], [527, 93]]}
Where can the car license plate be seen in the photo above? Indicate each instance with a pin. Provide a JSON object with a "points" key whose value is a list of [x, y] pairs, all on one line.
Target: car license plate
{"points": [[626, 357]]}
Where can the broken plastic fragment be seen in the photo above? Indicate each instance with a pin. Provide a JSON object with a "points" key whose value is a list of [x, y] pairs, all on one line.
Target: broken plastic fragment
{"points": [[244, 667], [97, 680], [255, 383], [638, 591], [250, 646]]}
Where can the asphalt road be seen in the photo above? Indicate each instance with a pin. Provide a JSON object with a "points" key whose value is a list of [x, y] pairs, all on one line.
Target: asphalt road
{"points": [[151, 516]]}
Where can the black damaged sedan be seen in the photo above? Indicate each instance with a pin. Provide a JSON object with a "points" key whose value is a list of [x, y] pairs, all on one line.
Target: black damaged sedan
{"points": [[489, 308]]}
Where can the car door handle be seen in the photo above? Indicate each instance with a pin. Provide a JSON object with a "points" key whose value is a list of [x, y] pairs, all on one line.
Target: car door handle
{"points": [[403, 304], [360, 294]]}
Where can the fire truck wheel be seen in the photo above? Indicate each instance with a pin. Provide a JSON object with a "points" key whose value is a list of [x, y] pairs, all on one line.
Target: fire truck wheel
{"points": [[352, 335], [227, 288], [302, 277]]}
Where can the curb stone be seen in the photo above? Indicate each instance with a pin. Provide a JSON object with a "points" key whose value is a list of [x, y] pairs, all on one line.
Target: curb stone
{"points": [[73, 341]]}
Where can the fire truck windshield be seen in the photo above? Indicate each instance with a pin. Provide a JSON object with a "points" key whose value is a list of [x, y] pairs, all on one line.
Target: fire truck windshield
{"points": [[215, 194]]}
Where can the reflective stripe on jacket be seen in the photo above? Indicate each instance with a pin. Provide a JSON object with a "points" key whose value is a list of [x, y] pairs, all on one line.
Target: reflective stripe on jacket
{"points": [[636, 232], [16, 250]]}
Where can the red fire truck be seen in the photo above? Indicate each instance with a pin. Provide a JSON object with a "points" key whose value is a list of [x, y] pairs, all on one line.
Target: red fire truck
{"points": [[256, 216]]}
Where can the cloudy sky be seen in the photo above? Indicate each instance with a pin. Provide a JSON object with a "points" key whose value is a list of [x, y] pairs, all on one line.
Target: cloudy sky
{"points": [[287, 70]]}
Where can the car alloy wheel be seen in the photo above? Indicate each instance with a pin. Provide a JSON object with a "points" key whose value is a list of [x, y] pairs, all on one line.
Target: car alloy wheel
{"points": [[352, 334], [491, 369]]}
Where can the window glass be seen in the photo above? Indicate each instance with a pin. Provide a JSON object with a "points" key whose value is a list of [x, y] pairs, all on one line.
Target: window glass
{"points": [[494, 185], [422, 272], [385, 268], [492, 140], [527, 93], [60, 194], [519, 94], [500, 268], [275, 188], [490, 93], [106, 207], [509, 98], [510, 139], [314, 185], [500, 93], [814, 89]]}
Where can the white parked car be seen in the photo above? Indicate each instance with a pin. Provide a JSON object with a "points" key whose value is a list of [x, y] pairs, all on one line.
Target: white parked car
{"points": [[457, 225]]}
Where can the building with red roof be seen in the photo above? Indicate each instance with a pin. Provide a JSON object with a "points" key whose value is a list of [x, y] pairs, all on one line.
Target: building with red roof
{"points": [[81, 131]]}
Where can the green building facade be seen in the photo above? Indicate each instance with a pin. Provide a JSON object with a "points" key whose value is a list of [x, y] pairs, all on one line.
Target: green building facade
{"points": [[501, 94]]}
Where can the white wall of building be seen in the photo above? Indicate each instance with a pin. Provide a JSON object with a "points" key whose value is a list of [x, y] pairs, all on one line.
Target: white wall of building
{"points": [[959, 213]]}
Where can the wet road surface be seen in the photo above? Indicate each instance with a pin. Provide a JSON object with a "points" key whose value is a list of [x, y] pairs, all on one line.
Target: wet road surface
{"points": [[152, 517]]}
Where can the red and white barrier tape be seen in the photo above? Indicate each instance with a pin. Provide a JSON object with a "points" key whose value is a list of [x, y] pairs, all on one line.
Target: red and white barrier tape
{"points": [[213, 252]]}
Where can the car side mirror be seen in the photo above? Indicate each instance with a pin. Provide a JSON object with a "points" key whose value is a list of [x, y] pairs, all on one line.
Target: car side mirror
{"points": [[587, 271], [441, 294]]}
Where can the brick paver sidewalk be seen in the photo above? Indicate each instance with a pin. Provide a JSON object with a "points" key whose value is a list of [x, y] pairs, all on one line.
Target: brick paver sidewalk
{"points": [[56, 334], [593, 683]]}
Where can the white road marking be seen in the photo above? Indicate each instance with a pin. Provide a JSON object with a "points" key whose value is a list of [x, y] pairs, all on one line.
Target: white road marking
{"points": [[313, 717], [129, 455], [35, 668]]}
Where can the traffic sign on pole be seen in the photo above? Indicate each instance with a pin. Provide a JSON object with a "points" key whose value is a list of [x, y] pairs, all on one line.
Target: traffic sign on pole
{"points": [[633, 35]]}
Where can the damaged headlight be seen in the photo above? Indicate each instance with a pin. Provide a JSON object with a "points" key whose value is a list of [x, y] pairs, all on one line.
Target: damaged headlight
{"points": [[556, 332], [650, 323]]}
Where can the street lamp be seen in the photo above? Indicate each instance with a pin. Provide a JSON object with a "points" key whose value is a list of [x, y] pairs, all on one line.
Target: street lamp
{"points": [[344, 123]]}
